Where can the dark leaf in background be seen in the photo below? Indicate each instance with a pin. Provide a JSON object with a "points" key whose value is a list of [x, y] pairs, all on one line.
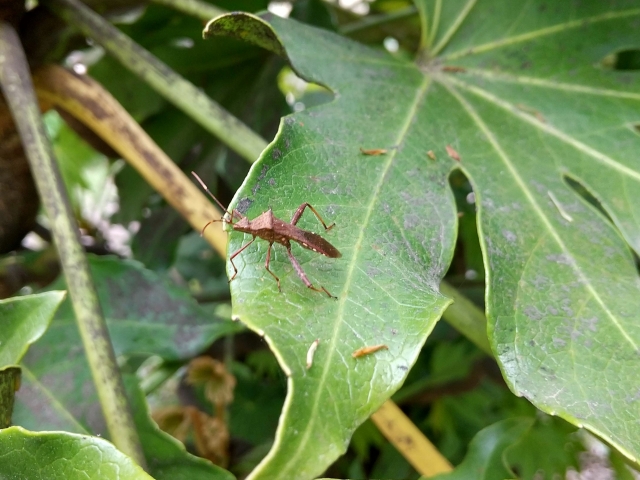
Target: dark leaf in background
{"points": [[202, 268], [485, 459], [145, 314], [156, 242], [553, 436], [314, 12]]}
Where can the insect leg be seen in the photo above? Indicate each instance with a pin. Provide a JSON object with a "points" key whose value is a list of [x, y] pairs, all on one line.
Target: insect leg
{"points": [[300, 210], [235, 254], [302, 275], [209, 223], [266, 265]]}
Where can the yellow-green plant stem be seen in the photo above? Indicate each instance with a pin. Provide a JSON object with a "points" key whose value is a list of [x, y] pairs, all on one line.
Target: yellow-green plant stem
{"points": [[371, 21], [16, 84], [465, 317], [162, 78], [195, 8], [89, 102]]}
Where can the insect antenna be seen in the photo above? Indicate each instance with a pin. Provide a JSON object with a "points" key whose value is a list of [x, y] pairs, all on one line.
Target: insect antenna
{"points": [[206, 189]]}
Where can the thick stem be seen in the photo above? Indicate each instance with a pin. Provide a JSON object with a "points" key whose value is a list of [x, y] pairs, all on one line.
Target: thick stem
{"points": [[465, 317], [90, 103], [15, 81], [195, 8], [165, 81], [9, 381], [414, 446]]}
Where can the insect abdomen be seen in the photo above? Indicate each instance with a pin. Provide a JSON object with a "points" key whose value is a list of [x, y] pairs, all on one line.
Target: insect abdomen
{"points": [[312, 241]]}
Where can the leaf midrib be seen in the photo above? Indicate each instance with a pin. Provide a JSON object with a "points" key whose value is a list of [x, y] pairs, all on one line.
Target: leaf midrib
{"points": [[352, 267]]}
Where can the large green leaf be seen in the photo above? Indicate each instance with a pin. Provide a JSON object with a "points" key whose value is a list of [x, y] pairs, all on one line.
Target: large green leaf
{"points": [[519, 92], [25, 454], [387, 279], [534, 106]]}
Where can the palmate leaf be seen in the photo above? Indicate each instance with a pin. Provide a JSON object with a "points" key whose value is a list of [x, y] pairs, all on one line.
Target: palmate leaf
{"points": [[520, 93]]}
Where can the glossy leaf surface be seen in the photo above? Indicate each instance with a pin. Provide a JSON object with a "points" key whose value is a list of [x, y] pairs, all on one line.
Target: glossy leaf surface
{"points": [[392, 261]]}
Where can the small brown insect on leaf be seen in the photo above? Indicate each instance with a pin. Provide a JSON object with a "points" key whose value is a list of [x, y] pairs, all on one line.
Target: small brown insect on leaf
{"points": [[311, 352], [373, 152], [453, 69], [453, 153], [431, 155], [361, 352], [270, 228]]}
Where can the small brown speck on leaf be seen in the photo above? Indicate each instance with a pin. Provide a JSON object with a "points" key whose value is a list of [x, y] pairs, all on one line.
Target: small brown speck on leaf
{"points": [[453, 69], [453, 153], [361, 352], [373, 152]]}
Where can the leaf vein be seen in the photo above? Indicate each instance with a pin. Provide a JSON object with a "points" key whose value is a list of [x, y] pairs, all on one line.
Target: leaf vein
{"points": [[535, 34], [538, 210], [351, 269], [580, 146], [454, 27], [555, 85]]}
